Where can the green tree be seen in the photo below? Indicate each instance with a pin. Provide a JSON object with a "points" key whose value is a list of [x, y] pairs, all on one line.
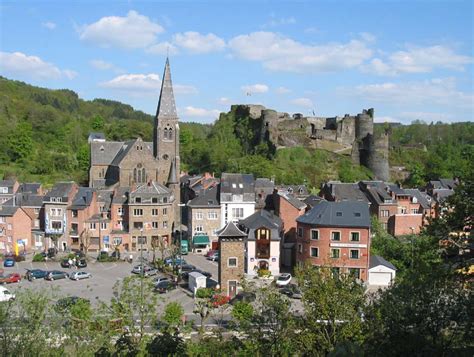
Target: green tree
{"points": [[97, 123], [82, 157], [172, 316], [20, 141]]}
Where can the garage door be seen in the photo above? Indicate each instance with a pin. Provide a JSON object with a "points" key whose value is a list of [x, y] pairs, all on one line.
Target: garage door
{"points": [[379, 278]]}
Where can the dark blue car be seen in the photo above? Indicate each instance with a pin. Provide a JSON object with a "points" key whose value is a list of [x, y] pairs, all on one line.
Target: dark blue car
{"points": [[36, 274], [9, 262]]}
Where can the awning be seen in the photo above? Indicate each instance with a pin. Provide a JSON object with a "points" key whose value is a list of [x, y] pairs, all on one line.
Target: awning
{"points": [[201, 239]]}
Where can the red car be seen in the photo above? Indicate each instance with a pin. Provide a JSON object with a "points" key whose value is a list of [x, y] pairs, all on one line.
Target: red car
{"points": [[10, 278], [211, 252]]}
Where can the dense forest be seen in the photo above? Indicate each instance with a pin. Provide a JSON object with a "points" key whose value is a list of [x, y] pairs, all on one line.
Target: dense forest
{"points": [[45, 139]]}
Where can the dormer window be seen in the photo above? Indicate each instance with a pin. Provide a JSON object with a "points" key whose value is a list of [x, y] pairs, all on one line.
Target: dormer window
{"points": [[290, 190], [357, 214], [338, 214], [241, 185], [234, 185], [138, 200]]}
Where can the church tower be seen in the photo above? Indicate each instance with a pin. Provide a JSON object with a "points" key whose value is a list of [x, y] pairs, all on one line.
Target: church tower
{"points": [[166, 132]]}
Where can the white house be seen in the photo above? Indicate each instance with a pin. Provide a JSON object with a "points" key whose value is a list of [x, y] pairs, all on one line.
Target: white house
{"points": [[237, 197], [381, 272], [264, 232]]}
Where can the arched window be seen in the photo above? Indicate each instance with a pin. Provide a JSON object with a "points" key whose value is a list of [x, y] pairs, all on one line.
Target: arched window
{"points": [[262, 248], [135, 174], [165, 134], [170, 134]]}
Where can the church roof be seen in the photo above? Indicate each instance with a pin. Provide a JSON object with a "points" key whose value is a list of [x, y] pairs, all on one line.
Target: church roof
{"points": [[166, 104], [231, 230], [103, 153], [172, 177], [151, 187]]}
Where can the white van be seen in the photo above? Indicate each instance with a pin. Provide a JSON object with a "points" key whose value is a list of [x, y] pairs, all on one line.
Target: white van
{"points": [[5, 295]]}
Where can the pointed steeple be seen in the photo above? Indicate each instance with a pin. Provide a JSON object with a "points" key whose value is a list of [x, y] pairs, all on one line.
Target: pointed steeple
{"points": [[166, 104], [172, 177]]}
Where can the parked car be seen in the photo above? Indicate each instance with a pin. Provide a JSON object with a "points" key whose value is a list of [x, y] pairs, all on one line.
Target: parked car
{"points": [[81, 263], [34, 274], [283, 279], [292, 291], [243, 296], [9, 262], [10, 278], [160, 279], [56, 274], [187, 267], [175, 261], [211, 252], [213, 257], [165, 286], [6, 295], [79, 275], [147, 270]]}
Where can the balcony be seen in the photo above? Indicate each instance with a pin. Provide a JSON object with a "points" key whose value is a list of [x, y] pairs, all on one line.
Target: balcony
{"points": [[73, 233]]}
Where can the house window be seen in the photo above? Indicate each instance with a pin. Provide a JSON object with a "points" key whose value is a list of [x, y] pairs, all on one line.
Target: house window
{"points": [[238, 212], [138, 225], [137, 212], [338, 214], [262, 246], [385, 225], [335, 272], [300, 248], [355, 236], [336, 236], [403, 210], [154, 200], [354, 254], [314, 234], [9, 227], [37, 210], [74, 213], [414, 210], [120, 224], [199, 229], [335, 253], [2, 219], [212, 215], [165, 211], [199, 215], [154, 211], [103, 225], [4, 189], [56, 225], [232, 262], [138, 200], [385, 213], [165, 224], [300, 232], [354, 272], [314, 252], [92, 226], [120, 211], [154, 225], [117, 241], [165, 199], [37, 223]]}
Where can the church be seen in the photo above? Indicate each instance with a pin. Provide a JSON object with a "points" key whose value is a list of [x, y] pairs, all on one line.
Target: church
{"points": [[136, 162]]}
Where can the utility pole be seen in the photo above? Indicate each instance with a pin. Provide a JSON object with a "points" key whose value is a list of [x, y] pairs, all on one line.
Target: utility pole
{"points": [[180, 205]]}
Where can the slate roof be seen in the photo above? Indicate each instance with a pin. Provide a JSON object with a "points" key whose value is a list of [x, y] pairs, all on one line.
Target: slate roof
{"points": [[60, 189], [264, 183], [166, 104], [262, 218], [29, 187], [376, 260], [397, 190], [231, 230], [103, 153], [151, 188], [448, 183], [83, 198], [125, 149], [377, 192], [96, 136], [206, 198], [293, 201], [29, 200], [346, 192], [297, 190], [420, 197], [8, 211], [338, 214], [9, 184], [229, 180], [442, 194], [121, 195], [313, 200]]}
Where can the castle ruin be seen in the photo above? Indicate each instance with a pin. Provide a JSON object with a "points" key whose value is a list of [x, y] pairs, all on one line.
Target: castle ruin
{"points": [[351, 135]]}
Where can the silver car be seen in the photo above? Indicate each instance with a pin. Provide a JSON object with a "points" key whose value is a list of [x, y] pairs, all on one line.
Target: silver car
{"points": [[79, 275]]}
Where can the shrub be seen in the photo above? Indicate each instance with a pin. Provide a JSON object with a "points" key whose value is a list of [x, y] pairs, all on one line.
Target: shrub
{"points": [[264, 273], [38, 258], [204, 293]]}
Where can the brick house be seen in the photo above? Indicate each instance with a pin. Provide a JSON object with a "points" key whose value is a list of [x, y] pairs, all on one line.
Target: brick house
{"points": [[151, 216], [15, 229], [263, 242], [336, 234], [204, 219], [231, 267], [32, 204], [55, 203], [83, 206], [119, 220]]}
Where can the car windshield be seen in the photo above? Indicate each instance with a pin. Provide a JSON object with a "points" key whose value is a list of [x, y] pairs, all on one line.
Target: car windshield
{"points": [[283, 277]]}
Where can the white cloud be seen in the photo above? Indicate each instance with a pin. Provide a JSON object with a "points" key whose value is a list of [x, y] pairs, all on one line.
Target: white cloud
{"points": [[131, 31], [435, 91], [274, 21], [144, 83], [201, 112], [419, 60], [303, 102], [162, 48], [280, 53], [195, 42], [282, 90], [49, 25], [427, 116], [20, 64], [255, 88], [104, 66], [385, 119]]}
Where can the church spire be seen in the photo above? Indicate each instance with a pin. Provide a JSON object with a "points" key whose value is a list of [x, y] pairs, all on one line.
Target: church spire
{"points": [[166, 104], [172, 177]]}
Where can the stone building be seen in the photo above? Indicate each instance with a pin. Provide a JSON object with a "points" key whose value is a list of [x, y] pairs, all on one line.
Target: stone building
{"points": [[231, 258], [136, 162]]}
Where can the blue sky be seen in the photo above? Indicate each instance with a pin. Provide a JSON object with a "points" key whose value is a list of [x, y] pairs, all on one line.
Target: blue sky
{"points": [[407, 59]]}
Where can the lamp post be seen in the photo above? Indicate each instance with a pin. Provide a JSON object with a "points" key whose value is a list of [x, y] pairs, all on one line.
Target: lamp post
{"points": [[180, 240]]}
